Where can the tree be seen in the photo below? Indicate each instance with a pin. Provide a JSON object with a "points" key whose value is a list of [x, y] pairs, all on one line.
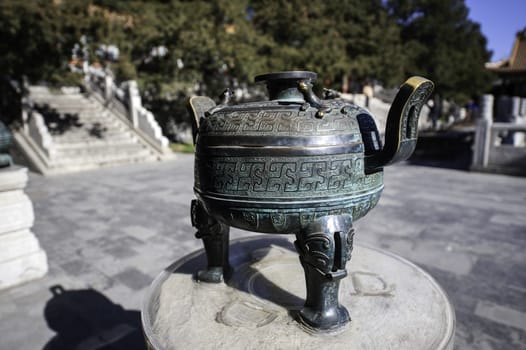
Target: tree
{"points": [[31, 43], [35, 38], [334, 38], [173, 48], [211, 45], [443, 44]]}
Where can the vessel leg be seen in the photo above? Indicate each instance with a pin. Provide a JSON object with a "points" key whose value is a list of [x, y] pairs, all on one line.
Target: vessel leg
{"points": [[325, 247], [215, 236]]}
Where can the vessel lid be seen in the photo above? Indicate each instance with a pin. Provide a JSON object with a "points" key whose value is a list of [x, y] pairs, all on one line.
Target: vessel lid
{"points": [[292, 75]]}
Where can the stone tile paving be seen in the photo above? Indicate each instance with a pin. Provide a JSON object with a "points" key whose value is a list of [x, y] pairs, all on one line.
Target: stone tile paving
{"points": [[109, 232]]}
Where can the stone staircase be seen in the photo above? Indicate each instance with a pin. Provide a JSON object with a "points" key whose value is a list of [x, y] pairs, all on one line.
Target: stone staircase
{"points": [[77, 132]]}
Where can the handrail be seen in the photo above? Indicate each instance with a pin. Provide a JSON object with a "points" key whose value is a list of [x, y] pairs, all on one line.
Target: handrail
{"points": [[35, 128], [508, 127], [40, 133], [490, 154], [126, 102]]}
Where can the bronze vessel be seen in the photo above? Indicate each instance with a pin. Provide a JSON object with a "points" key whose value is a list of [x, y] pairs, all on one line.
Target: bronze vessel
{"points": [[296, 164]]}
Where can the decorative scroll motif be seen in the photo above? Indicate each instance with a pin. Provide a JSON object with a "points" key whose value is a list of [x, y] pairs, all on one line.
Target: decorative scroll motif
{"points": [[350, 243], [290, 220], [283, 122], [319, 251], [285, 177], [364, 206]]}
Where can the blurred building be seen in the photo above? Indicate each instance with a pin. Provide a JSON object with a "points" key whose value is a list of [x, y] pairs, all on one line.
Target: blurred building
{"points": [[511, 72]]}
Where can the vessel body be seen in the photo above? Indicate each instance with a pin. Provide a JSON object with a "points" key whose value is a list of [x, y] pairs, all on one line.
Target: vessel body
{"points": [[276, 166]]}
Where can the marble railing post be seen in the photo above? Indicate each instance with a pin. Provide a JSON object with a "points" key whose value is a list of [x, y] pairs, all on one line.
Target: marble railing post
{"points": [[522, 110], [130, 99], [108, 87], [148, 125], [25, 119], [516, 138], [482, 144], [39, 133], [134, 102]]}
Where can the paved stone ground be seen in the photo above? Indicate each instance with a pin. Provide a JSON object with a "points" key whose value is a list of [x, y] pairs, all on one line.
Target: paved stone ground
{"points": [[109, 232]]}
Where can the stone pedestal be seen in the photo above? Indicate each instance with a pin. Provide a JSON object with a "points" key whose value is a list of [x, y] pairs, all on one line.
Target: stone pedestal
{"points": [[21, 258], [393, 303]]}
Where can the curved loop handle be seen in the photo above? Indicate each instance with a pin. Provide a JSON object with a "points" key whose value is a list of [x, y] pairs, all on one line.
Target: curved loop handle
{"points": [[402, 123], [197, 107]]}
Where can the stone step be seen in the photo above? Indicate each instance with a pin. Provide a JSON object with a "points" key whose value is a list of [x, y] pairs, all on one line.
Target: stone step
{"points": [[94, 150], [89, 131], [60, 102], [118, 140], [93, 129], [96, 117], [86, 110], [83, 134], [88, 116], [99, 118], [94, 136], [101, 160], [64, 114], [72, 103], [56, 98], [61, 143], [92, 122], [55, 105], [77, 109], [90, 155], [67, 168]]}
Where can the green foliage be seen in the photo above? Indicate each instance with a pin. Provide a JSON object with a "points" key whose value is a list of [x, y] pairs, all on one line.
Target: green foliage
{"points": [[443, 44], [182, 147], [213, 44], [333, 38]]}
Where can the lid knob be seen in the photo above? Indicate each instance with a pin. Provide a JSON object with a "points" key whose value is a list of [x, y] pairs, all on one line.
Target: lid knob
{"points": [[283, 86]]}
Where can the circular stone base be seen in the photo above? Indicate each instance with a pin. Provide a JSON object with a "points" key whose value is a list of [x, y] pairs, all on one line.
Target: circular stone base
{"points": [[393, 304]]}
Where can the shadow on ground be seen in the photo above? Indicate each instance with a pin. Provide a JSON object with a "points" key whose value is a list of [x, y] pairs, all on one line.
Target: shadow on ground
{"points": [[86, 319], [262, 286], [57, 123], [449, 150], [248, 248]]}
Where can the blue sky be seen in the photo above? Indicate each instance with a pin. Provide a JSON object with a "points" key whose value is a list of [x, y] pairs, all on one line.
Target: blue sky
{"points": [[499, 20]]}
